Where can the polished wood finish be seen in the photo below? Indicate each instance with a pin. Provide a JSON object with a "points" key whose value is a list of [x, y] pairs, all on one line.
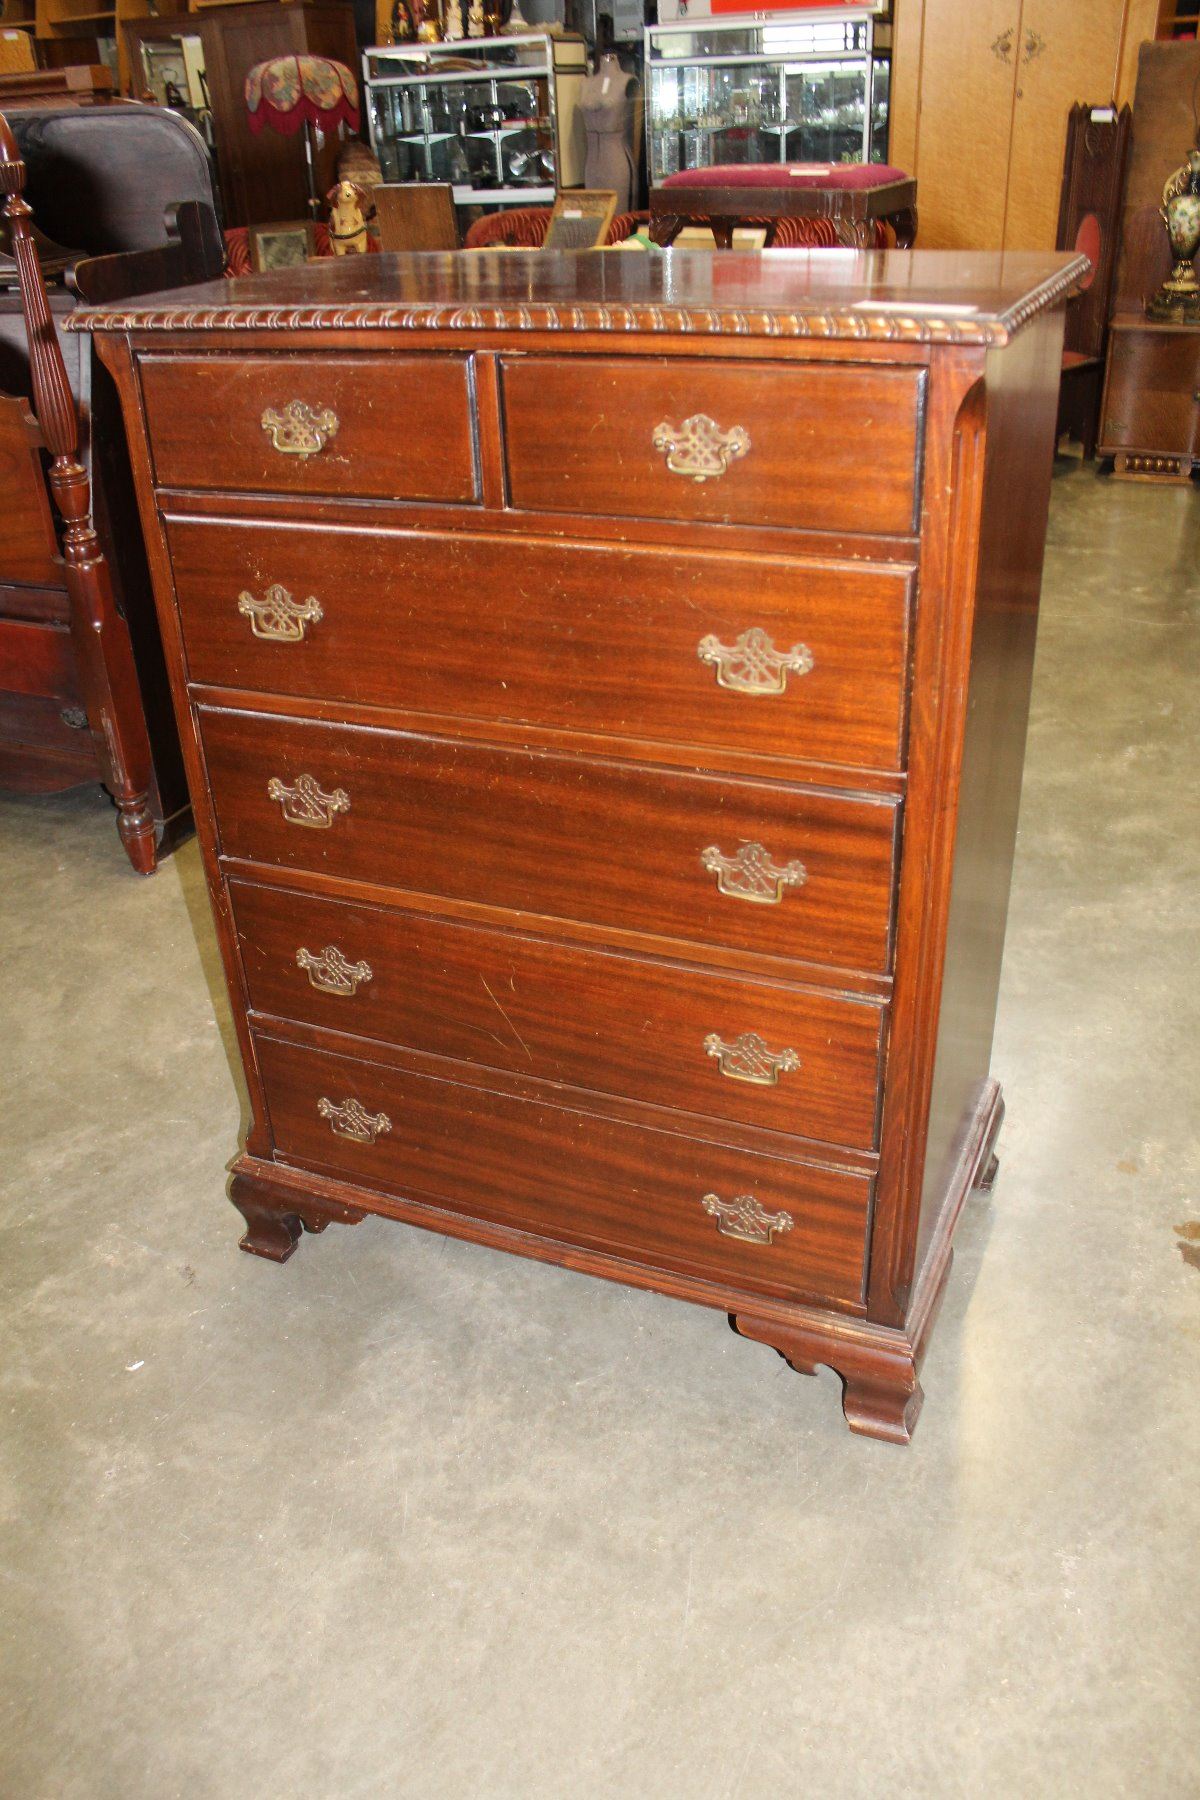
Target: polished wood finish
{"points": [[1150, 418], [638, 1026], [581, 439], [190, 399], [401, 625], [103, 655], [597, 1182], [560, 835], [484, 978]]}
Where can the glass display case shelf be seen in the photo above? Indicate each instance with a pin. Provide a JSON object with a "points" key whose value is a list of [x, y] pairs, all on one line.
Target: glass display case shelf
{"points": [[495, 117], [783, 88]]}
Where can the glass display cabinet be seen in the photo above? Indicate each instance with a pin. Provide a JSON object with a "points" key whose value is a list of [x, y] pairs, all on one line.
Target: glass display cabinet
{"points": [[789, 88], [496, 117]]}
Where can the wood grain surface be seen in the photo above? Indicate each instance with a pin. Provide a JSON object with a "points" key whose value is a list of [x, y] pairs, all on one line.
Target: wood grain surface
{"points": [[572, 1175], [620, 1024], [560, 834], [403, 424], [580, 635]]}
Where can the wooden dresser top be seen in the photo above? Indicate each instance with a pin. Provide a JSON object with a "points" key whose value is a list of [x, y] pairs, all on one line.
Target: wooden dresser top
{"points": [[912, 296]]}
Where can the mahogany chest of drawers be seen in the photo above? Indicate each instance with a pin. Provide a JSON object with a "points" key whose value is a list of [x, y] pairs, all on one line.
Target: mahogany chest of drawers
{"points": [[604, 683]]}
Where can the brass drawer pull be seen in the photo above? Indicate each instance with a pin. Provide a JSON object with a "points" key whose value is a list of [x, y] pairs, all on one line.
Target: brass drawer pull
{"points": [[744, 1218], [751, 875], [748, 1059], [297, 430], [331, 972], [307, 804], [277, 617], [753, 665], [698, 449], [351, 1120]]}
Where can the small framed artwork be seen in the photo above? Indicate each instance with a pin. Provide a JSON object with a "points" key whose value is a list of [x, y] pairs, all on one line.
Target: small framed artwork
{"points": [[580, 219], [286, 246]]}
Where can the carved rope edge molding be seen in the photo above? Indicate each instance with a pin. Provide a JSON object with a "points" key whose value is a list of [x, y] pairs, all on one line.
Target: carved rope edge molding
{"points": [[676, 320]]}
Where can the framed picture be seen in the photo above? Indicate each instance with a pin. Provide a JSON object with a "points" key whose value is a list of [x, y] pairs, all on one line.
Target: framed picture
{"points": [[580, 219], [286, 246]]}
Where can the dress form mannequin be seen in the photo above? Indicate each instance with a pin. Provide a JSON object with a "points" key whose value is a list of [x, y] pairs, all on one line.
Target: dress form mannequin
{"points": [[607, 101]]}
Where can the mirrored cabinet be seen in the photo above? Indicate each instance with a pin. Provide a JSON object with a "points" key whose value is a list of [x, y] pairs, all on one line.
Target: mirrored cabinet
{"points": [[496, 117], [794, 89]]}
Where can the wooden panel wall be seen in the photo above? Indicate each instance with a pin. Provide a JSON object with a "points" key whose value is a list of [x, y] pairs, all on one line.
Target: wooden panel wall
{"points": [[980, 98]]}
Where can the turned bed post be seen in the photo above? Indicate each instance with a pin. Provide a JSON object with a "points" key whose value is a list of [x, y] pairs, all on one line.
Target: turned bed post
{"points": [[105, 656]]}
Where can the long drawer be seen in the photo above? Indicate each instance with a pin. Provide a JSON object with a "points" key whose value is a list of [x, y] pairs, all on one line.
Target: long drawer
{"points": [[787, 1059], [778, 869], [771, 1224], [380, 427], [744, 443], [779, 655]]}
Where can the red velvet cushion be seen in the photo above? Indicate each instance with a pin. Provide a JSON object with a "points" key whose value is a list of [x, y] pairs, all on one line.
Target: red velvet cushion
{"points": [[1088, 243], [789, 175]]}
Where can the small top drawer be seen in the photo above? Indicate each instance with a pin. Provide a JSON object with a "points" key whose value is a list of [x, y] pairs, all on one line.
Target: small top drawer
{"points": [[381, 427], [831, 447]]}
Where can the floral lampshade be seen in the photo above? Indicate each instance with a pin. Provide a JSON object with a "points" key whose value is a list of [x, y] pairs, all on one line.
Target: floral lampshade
{"points": [[287, 92]]}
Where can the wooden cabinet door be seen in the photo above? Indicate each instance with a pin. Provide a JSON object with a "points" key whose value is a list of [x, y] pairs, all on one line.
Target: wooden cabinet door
{"points": [[1064, 53], [952, 126]]}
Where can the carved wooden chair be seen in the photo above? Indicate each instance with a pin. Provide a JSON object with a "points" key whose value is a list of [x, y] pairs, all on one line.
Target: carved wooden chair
{"points": [[69, 703], [1088, 221]]}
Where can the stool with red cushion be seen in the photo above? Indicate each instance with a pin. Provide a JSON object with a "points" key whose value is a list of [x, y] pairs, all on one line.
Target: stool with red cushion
{"points": [[864, 205], [525, 227]]}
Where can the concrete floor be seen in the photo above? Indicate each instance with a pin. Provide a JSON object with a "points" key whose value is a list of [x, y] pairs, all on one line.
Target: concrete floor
{"points": [[414, 1518]]}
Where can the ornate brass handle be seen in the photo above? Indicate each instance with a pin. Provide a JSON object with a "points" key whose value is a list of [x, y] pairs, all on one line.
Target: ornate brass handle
{"points": [[748, 1059], [297, 429], [277, 617], [744, 1218], [1034, 45], [753, 665], [307, 804], [330, 971], [751, 875], [352, 1120], [1001, 47], [698, 448]]}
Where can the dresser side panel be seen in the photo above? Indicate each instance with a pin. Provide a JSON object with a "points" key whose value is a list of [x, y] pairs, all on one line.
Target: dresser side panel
{"points": [[1021, 399], [120, 358]]}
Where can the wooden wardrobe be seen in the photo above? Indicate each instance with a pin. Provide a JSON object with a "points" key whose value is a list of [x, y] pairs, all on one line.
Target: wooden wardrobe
{"points": [[980, 97]]}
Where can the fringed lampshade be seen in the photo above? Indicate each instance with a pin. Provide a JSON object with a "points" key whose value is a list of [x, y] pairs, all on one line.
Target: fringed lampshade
{"points": [[286, 91], [293, 93]]}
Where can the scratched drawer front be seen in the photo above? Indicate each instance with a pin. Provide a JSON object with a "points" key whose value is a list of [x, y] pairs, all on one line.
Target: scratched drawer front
{"points": [[560, 835], [571, 1175], [766, 1055], [379, 427], [600, 435], [778, 655]]}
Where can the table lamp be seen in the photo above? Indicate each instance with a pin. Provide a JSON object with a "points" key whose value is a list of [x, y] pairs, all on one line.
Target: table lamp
{"points": [[310, 92]]}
